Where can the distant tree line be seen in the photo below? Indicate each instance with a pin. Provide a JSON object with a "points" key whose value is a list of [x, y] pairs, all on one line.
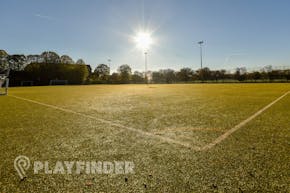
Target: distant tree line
{"points": [[41, 69], [185, 75]]}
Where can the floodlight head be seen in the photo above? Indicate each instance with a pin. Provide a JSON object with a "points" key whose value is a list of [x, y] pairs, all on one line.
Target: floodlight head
{"points": [[200, 42]]}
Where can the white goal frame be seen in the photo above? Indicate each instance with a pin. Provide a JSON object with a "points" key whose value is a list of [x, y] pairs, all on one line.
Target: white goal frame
{"points": [[4, 83]]}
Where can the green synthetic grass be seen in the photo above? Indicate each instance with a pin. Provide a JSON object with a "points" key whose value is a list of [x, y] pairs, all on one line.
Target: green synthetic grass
{"points": [[255, 158]]}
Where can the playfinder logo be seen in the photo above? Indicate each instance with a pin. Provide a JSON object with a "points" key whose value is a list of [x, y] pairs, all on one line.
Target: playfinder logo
{"points": [[22, 164]]}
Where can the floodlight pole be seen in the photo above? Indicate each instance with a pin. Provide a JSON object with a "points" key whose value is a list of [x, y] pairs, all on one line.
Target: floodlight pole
{"points": [[145, 73], [200, 46], [109, 61]]}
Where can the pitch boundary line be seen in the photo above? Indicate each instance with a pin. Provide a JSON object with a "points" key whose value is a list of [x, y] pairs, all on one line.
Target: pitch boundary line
{"points": [[165, 139], [241, 124], [141, 133]]}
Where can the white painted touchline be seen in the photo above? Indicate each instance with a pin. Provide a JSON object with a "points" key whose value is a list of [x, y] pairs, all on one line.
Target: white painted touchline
{"points": [[241, 124], [165, 139], [142, 133]]}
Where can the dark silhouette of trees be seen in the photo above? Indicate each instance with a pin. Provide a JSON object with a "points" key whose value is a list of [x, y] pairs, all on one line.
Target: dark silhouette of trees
{"points": [[204, 74], [49, 66], [287, 75], [240, 74], [65, 59], [42, 73], [185, 74], [102, 72], [80, 61], [164, 76], [256, 76], [125, 73], [100, 75], [115, 78], [137, 77], [3, 60], [16, 62], [169, 75], [50, 57]]}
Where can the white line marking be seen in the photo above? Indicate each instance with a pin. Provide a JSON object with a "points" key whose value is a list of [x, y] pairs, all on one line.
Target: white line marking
{"points": [[165, 139], [142, 133], [241, 124]]}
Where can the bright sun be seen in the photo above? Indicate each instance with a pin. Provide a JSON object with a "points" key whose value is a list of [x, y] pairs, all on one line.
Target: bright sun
{"points": [[143, 40]]}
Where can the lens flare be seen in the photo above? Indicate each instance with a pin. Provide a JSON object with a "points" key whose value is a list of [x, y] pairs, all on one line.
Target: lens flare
{"points": [[143, 40]]}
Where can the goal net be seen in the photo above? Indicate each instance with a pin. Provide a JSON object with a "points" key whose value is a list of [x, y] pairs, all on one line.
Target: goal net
{"points": [[58, 82], [26, 83]]}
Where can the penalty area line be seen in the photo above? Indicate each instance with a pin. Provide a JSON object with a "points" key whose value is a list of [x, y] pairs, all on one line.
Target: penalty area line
{"points": [[241, 124], [141, 133]]}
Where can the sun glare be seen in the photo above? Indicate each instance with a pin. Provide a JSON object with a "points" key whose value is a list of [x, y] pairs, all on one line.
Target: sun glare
{"points": [[143, 40]]}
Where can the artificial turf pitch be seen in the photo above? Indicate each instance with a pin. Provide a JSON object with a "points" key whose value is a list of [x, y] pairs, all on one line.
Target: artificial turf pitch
{"points": [[145, 124]]}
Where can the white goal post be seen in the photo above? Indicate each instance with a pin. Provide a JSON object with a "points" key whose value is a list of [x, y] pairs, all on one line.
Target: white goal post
{"points": [[4, 82]]}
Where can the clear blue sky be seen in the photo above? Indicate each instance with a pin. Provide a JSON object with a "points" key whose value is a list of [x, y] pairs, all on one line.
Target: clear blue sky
{"points": [[246, 33]]}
